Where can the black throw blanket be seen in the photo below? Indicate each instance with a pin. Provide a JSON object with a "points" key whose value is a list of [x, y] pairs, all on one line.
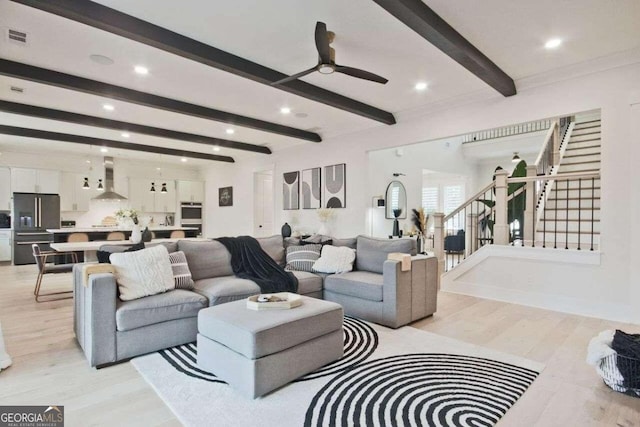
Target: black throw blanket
{"points": [[250, 261]]}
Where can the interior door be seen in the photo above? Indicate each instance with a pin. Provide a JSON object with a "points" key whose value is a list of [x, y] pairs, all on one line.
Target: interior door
{"points": [[263, 204]]}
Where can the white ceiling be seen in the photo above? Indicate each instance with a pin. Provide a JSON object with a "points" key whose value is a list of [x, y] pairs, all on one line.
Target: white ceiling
{"points": [[279, 34]]}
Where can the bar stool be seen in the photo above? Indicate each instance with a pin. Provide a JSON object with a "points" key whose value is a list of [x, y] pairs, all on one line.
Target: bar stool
{"points": [[42, 257], [115, 235], [78, 237], [177, 234]]}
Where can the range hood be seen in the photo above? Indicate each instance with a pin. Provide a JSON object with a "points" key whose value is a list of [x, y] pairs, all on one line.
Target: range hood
{"points": [[109, 194]]}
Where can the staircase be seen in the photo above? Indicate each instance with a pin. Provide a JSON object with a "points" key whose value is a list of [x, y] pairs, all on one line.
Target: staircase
{"points": [[571, 214]]}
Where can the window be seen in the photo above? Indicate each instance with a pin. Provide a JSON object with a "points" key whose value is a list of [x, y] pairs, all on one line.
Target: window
{"points": [[444, 193], [395, 198], [430, 199], [453, 197]]}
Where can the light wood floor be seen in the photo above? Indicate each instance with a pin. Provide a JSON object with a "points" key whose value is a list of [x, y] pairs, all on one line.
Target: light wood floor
{"points": [[49, 368]]}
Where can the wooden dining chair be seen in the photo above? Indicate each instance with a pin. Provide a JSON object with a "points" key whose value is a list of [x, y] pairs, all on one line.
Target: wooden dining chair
{"points": [[115, 235], [78, 237], [177, 234], [44, 257]]}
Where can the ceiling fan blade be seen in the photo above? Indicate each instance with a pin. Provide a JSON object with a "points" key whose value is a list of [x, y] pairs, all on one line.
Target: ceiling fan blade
{"points": [[361, 74], [322, 43], [295, 76]]}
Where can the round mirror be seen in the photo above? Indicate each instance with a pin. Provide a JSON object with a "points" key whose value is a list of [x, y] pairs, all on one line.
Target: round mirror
{"points": [[396, 201]]}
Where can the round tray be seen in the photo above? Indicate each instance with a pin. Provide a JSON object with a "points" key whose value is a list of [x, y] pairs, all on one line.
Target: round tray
{"points": [[291, 301]]}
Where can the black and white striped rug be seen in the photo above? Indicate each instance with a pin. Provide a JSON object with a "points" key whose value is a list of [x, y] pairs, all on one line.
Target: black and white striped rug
{"points": [[403, 377]]}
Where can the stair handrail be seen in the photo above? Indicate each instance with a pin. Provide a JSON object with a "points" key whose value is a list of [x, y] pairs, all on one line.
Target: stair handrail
{"points": [[563, 177], [469, 201], [546, 151]]}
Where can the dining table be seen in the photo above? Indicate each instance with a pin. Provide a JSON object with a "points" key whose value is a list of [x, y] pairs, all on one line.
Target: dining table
{"points": [[90, 248]]}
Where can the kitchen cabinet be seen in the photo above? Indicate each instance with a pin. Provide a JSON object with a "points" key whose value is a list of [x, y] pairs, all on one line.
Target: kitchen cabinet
{"points": [[5, 245], [191, 191], [73, 197], [145, 201], [5, 189], [25, 180]]}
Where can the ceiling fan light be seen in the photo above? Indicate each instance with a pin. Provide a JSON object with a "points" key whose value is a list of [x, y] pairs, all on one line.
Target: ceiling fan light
{"points": [[515, 158]]}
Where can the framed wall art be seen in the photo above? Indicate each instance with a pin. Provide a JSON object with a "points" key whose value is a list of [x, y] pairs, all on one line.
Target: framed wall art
{"points": [[335, 186], [291, 190], [311, 188], [225, 196]]}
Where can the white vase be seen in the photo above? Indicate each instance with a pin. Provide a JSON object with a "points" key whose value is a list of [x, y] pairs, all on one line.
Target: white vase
{"points": [[324, 230], [136, 234]]}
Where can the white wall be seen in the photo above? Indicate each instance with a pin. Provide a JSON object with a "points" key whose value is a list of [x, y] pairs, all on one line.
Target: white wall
{"points": [[613, 282]]}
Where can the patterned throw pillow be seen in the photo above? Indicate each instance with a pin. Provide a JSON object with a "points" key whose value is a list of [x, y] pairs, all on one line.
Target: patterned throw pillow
{"points": [[143, 273], [181, 273], [335, 259], [302, 258]]}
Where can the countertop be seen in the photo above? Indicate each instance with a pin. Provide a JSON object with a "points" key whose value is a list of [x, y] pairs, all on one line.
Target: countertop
{"points": [[108, 229], [95, 245]]}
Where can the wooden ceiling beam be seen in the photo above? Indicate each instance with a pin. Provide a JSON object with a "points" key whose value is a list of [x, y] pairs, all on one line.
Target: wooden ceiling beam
{"points": [[115, 22], [108, 143], [423, 20], [83, 119], [94, 87]]}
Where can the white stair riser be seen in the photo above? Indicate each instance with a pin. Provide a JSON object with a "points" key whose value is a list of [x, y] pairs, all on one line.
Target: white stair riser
{"points": [[584, 137], [585, 239], [562, 215], [593, 157], [561, 193], [561, 226], [591, 166], [584, 130], [585, 204], [583, 247], [583, 144], [581, 125]]}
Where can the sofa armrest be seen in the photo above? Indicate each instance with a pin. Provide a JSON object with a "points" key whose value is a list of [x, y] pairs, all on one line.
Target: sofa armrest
{"points": [[396, 294], [95, 316]]}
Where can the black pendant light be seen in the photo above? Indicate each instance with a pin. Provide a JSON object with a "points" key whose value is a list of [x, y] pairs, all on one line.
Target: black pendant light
{"points": [[164, 187], [515, 158], [85, 185], [153, 187], [100, 186]]}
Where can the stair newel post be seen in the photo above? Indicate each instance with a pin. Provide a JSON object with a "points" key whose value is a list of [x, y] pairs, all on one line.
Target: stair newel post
{"points": [[471, 235], [501, 226], [438, 242], [529, 225]]}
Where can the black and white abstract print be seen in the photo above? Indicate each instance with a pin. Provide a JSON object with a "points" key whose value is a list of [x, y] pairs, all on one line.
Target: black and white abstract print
{"points": [[311, 187], [335, 186]]}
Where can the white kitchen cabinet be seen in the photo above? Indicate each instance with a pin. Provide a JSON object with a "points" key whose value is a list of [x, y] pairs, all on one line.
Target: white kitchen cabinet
{"points": [[25, 180], [165, 202], [191, 191], [5, 245], [5, 189], [73, 197], [140, 198]]}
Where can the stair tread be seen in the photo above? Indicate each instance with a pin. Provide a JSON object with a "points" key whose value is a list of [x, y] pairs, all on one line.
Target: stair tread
{"points": [[574, 135], [571, 141], [583, 148], [581, 155], [588, 121], [580, 171], [580, 163], [569, 220]]}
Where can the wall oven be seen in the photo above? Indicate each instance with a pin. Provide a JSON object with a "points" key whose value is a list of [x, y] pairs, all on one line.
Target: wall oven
{"points": [[191, 215]]}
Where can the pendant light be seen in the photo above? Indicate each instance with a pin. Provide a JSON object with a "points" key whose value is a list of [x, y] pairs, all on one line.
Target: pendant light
{"points": [[153, 187], [164, 188], [85, 185], [100, 186], [515, 158]]}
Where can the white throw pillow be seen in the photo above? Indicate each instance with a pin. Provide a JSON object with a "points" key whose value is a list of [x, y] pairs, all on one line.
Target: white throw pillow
{"points": [[143, 273], [335, 259]]}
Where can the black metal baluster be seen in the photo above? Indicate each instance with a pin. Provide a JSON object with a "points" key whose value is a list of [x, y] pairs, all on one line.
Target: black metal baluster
{"points": [[555, 221], [593, 186], [579, 211], [544, 216], [566, 222]]}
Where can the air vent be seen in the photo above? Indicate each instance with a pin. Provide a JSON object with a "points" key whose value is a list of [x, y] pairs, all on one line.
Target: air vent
{"points": [[17, 89], [15, 36]]}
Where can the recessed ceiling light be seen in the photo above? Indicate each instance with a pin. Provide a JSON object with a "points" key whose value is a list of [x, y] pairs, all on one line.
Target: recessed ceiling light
{"points": [[104, 150], [285, 110], [184, 159], [88, 161], [420, 86], [125, 135], [140, 69], [553, 43], [108, 107], [230, 131], [158, 169], [216, 148], [101, 59]]}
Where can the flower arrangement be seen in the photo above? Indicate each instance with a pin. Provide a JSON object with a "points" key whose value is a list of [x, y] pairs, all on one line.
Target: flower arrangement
{"points": [[132, 214], [325, 214]]}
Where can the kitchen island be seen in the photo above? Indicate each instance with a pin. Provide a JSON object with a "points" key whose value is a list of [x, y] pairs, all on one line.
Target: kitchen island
{"points": [[60, 235]]}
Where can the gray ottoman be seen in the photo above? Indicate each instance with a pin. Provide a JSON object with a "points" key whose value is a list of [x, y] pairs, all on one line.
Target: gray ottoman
{"points": [[259, 351]]}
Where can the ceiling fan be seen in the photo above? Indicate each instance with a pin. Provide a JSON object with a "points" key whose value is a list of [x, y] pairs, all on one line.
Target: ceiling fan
{"points": [[327, 60]]}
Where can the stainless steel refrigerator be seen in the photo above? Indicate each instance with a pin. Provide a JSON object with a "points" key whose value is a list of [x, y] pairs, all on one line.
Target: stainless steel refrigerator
{"points": [[33, 214]]}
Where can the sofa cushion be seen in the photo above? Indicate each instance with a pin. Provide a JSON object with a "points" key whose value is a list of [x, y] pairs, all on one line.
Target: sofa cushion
{"points": [[372, 253], [206, 259], [143, 273], [274, 247], [308, 282], [302, 258], [350, 242], [359, 284], [172, 305], [224, 289]]}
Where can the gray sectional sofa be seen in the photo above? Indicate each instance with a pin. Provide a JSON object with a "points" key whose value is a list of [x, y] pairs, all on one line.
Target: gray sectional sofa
{"points": [[110, 330]]}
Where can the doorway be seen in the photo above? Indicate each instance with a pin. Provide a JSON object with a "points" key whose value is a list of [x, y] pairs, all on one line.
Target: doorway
{"points": [[263, 203]]}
